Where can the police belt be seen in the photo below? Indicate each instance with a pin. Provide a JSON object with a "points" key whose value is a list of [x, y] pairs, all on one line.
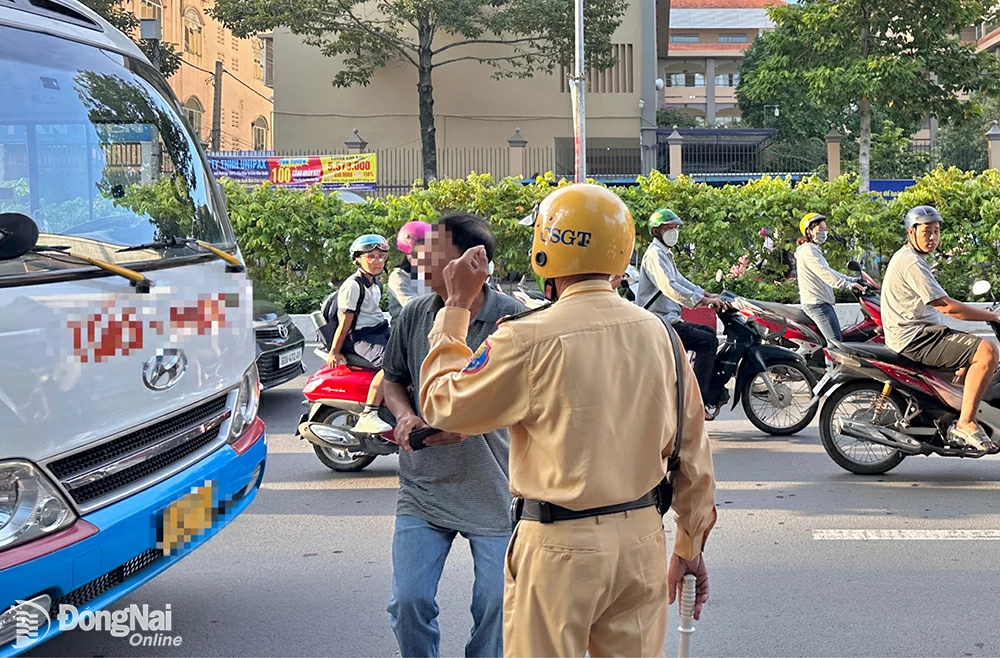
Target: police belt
{"points": [[538, 510]]}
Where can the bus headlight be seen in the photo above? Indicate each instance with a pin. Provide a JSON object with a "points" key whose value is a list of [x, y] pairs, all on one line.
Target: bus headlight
{"points": [[247, 403], [30, 506]]}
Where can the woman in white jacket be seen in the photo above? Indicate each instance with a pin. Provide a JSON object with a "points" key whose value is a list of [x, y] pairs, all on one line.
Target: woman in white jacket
{"points": [[817, 279]]}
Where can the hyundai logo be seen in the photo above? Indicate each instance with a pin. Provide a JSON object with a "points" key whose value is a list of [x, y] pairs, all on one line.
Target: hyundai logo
{"points": [[164, 370]]}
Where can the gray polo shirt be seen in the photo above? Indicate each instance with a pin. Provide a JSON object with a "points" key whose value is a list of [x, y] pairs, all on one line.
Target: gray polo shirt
{"points": [[463, 487], [908, 288]]}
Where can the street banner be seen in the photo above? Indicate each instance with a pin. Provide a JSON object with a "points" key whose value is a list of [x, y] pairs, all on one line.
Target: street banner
{"points": [[333, 172]]}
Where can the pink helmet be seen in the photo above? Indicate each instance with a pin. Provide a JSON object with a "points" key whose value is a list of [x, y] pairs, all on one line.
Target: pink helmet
{"points": [[410, 234]]}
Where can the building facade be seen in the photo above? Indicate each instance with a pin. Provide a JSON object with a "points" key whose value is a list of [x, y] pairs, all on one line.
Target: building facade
{"points": [[471, 108], [707, 39], [247, 112]]}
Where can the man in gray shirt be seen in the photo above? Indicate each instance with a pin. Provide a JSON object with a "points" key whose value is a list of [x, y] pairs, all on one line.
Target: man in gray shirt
{"points": [[457, 484], [912, 306]]}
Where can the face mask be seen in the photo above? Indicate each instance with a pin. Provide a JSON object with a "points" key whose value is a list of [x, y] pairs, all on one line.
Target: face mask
{"points": [[671, 236], [819, 237]]}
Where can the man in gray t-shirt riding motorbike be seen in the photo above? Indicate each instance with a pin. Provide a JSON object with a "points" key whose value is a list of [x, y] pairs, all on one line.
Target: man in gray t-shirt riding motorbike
{"points": [[912, 306]]}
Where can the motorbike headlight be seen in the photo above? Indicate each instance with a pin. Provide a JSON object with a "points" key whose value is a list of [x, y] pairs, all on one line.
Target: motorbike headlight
{"points": [[247, 403], [30, 506]]}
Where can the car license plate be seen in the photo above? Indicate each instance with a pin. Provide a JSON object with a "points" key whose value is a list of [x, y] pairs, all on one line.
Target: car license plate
{"points": [[286, 359], [188, 517]]}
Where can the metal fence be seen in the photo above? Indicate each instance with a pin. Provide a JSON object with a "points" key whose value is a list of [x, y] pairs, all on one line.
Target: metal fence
{"points": [[708, 152]]}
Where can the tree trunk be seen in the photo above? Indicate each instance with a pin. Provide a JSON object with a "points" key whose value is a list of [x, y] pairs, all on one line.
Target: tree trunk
{"points": [[865, 106], [425, 95], [865, 143]]}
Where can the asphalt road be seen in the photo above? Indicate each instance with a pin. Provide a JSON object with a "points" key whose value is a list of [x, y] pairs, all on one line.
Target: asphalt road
{"points": [[306, 570]]}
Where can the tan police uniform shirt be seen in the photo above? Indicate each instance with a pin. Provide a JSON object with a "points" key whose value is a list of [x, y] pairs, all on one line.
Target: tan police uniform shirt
{"points": [[588, 388]]}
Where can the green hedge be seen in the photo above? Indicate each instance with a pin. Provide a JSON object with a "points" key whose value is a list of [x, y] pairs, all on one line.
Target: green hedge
{"points": [[296, 241]]}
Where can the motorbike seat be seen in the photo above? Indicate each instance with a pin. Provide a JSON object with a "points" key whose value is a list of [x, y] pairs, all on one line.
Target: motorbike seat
{"points": [[793, 313], [881, 353], [358, 361]]}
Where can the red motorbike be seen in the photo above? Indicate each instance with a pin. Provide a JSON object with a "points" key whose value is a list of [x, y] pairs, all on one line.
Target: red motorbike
{"points": [[789, 326], [336, 397]]}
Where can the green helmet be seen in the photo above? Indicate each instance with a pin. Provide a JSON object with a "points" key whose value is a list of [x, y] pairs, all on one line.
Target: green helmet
{"points": [[663, 216]]}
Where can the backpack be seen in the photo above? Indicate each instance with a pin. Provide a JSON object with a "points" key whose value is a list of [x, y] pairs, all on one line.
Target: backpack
{"points": [[331, 313]]}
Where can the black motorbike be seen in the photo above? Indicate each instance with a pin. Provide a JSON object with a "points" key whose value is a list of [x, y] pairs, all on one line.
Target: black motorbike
{"points": [[773, 383]]}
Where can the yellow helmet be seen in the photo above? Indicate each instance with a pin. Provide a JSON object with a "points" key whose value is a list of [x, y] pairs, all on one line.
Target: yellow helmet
{"points": [[581, 229], [808, 220]]}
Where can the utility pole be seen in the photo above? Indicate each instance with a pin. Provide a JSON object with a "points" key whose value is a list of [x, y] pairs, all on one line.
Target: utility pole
{"points": [[151, 30], [217, 109], [578, 88]]}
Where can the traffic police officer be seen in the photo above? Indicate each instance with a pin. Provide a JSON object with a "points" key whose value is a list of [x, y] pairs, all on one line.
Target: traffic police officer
{"points": [[589, 389]]}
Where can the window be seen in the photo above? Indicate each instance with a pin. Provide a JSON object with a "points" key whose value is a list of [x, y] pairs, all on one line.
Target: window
{"points": [[684, 38], [258, 59], [732, 38], [236, 61], [268, 62], [616, 80], [727, 80], [234, 43], [220, 34], [686, 80], [234, 118], [194, 111], [151, 9], [260, 134], [194, 28]]}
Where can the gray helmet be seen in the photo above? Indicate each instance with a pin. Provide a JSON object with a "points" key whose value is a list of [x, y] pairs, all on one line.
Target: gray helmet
{"points": [[921, 215]]}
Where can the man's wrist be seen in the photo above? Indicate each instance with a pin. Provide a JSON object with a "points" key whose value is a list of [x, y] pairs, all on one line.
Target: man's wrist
{"points": [[457, 302]]}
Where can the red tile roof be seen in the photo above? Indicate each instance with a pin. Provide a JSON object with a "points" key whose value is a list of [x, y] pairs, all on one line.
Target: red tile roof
{"points": [[709, 46], [724, 4], [985, 39]]}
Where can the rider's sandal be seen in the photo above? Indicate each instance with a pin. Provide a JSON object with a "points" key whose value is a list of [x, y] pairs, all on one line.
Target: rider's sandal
{"points": [[977, 440]]}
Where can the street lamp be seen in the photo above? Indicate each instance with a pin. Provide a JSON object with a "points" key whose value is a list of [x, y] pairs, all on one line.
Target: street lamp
{"points": [[777, 109]]}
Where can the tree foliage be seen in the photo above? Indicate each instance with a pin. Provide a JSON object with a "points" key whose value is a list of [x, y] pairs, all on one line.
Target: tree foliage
{"points": [[901, 57], [122, 18], [516, 38]]}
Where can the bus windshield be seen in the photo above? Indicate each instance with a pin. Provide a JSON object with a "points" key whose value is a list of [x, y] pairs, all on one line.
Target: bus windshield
{"points": [[93, 149]]}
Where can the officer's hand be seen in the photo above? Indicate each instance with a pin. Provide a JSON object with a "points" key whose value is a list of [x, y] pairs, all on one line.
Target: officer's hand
{"points": [[404, 426], [444, 439], [464, 277], [679, 567]]}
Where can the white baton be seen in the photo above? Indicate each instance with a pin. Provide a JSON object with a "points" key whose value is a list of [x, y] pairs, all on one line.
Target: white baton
{"points": [[686, 628]]}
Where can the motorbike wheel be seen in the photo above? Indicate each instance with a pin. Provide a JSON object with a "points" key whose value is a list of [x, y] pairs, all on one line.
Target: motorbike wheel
{"points": [[795, 383], [341, 460], [856, 402]]}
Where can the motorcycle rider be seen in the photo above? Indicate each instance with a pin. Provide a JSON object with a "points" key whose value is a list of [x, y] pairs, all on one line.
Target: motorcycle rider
{"points": [[912, 304], [817, 279], [362, 328], [404, 286], [662, 289]]}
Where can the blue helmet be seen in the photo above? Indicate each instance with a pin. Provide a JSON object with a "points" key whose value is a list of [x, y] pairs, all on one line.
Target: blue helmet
{"points": [[368, 242]]}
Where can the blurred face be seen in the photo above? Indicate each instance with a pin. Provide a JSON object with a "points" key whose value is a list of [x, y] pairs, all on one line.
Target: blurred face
{"points": [[926, 237], [373, 262], [431, 256]]}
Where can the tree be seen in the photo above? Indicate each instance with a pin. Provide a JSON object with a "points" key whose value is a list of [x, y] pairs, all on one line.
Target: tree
{"points": [[517, 38], [668, 117], [899, 55], [114, 12], [963, 143]]}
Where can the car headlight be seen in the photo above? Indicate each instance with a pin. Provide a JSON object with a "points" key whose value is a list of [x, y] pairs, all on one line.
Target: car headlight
{"points": [[30, 506], [247, 403]]}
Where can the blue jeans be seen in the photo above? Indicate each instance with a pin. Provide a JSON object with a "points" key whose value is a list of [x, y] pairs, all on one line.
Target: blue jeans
{"points": [[825, 317], [419, 550]]}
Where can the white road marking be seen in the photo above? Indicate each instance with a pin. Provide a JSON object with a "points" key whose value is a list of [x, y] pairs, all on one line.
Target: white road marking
{"points": [[786, 485], [906, 535]]}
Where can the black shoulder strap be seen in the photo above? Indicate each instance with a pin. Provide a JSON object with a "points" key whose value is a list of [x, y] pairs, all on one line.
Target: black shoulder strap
{"points": [[361, 299], [674, 462], [652, 300], [518, 316]]}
